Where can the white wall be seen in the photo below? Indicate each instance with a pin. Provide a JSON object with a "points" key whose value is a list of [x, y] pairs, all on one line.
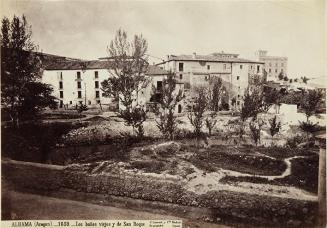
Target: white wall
{"points": [[70, 90]]}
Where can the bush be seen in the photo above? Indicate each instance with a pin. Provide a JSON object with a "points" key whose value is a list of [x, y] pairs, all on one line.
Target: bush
{"points": [[295, 141]]}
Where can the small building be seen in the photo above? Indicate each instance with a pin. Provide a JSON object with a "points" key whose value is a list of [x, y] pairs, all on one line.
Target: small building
{"points": [[274, 65]]}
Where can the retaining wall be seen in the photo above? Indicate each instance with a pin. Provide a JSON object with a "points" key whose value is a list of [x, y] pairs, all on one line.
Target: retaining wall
{"points": [[218, 205]]}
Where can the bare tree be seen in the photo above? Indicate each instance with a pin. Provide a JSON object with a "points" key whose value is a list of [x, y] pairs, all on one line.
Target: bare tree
{"points": [[166, 113], [127, 64]]}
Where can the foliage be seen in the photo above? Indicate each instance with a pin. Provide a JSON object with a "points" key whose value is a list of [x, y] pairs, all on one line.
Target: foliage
{"points": [[169, 98], [135, 117], [196, 114], [304, 79], [275, 126], [281, 76], [82, 108], [127, 60], [270, 97], [252, 103], [22, 93], [215, 92], [285, 78], [308, 127], [310, 102], [255, 129], [211, 121]]}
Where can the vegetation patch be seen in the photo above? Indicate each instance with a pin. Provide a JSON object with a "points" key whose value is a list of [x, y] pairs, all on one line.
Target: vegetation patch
{"points": [[304, 175], [224, 157]]}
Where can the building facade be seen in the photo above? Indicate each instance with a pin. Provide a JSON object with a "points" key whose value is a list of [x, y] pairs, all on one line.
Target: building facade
{"points": [[274, 65], [77, 82], [197, 70]]}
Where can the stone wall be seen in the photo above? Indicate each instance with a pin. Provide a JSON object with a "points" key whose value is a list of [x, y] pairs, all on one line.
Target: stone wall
{"points": [[223, 205]]}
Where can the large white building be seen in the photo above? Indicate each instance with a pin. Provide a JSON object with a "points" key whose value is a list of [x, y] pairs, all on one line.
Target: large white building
{"points": [[78, 82], [196, 70]]}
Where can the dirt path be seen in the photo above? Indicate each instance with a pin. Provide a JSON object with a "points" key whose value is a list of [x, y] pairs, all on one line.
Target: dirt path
{"points": [[201, 183]]}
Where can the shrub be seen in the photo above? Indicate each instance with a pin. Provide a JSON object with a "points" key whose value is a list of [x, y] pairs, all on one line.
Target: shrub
{"points": [[295, 141]]}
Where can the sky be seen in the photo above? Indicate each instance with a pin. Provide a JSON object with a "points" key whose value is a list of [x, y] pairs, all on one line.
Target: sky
{"points": [[83, 29]]}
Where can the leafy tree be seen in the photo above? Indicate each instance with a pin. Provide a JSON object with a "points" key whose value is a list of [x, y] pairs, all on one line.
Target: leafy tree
{"points": [[215, 93], [22, 93], [281, 76], [304, 79], [196, 114], [252, 103], [285, 78], [291, 80], [169, 99], [274, 127], [255, 129], [211, 121], [309, 104], [270, 97], [127, 60]]}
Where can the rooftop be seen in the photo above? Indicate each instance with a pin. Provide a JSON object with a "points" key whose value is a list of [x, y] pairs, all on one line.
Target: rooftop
{"points": [[209, 58]]}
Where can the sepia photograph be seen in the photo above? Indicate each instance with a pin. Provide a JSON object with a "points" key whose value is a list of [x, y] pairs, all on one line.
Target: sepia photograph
{"points": [[163, 113]]}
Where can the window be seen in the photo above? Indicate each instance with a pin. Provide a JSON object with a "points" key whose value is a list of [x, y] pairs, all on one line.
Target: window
{"points": [[89, 102], [79, 85], [276, 64], [61, 94], [70, 102], [61, 104], [282, 64], [179, 108], [78, 75], [251, 67], [79, 94], [181, 76], [238, 96], [60, 85], [206, 78], [159, 85], [275, 70], [181, 66], [208, 67], [269, 70], [96, 84], [270, 64], [60, 76], [258, 68], [241, 66], [98, 101], [96, 74], [238, 78], [238, 102], [97, 94], [224, 66]]}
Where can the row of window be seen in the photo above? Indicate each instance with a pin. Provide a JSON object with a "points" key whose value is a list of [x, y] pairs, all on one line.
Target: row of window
{"points": [[78, 75], [181, 67], [269, 70], [79, 85], [276, 64], [79, 94]]}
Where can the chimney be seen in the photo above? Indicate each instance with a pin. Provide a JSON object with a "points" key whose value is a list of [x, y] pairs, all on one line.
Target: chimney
{"points": [[194, 55]]}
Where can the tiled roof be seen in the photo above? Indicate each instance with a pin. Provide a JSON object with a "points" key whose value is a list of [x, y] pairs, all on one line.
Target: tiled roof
{"points": [[76, 65], [155, 70], [209, 58]]}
